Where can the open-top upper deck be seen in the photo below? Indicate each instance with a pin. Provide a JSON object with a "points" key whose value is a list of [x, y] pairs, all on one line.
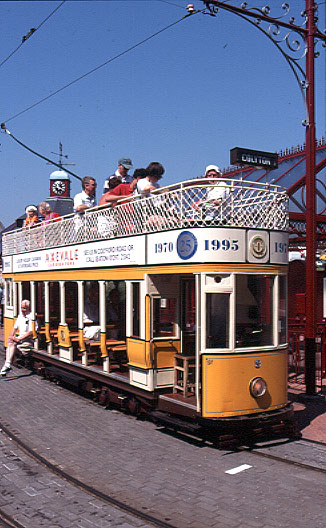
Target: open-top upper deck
{"points": [[247, 205]]}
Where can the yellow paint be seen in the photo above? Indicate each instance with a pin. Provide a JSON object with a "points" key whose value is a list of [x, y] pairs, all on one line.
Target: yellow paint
{"points": [[138, 272], [147, 318], [164, 351], [139, 353], [47, 333], [82, 346], [63, 336], [104, 352], [34, 330], [226, 379], [8, 326]]}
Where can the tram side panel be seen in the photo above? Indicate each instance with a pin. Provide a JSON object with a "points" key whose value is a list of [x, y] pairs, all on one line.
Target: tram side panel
{"points": [[227, 381]]}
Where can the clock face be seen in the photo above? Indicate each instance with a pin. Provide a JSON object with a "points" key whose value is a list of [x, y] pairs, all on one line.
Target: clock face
{"points": [[58, 187]]}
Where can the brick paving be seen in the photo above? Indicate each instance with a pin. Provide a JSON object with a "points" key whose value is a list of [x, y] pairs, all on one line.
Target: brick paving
{"points": [[139, 464]]}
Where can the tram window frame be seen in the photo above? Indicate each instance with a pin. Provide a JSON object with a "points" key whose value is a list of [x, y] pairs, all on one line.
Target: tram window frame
{"points": [[282, 311], [225, 298], [261, 334], [135, 309], [9, 293], [159, 303]]}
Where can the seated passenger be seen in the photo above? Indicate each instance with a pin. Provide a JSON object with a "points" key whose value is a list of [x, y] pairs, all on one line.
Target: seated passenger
{"points": [[31, 217], [218, 192], [46, 211]]}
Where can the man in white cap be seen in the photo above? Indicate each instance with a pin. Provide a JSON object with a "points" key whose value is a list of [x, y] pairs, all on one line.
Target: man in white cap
{"points": [[124, 164], [216, 194]]}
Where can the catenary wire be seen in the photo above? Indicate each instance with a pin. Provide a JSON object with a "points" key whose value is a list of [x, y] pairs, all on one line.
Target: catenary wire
{"points": [[31, 32], [3, 127], [99, 67]]}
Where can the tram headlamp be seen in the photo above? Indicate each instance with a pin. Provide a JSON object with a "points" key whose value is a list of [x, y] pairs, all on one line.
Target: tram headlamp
{"points": [[258, 387]]}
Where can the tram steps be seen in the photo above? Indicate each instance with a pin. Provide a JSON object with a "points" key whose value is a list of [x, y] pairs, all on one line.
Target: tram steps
{"points": [[174, 422]]}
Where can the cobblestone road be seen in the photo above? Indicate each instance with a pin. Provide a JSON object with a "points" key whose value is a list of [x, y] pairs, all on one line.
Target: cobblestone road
{"points": [[137, 463]]}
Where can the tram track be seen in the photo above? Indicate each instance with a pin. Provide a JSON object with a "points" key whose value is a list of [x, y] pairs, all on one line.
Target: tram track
{"points": [[261, 452], [10, 522]]}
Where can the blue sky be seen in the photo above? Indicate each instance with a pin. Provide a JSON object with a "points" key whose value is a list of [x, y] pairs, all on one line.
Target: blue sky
{"points": [[184, 98]]}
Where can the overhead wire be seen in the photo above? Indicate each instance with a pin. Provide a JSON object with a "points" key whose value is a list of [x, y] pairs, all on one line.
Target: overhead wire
{"points": [[134, 46], [3, 127], [31, 32]]}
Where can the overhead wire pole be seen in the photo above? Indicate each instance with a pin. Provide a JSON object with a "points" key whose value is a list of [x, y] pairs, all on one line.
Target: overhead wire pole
{"points": [[310, 35]]}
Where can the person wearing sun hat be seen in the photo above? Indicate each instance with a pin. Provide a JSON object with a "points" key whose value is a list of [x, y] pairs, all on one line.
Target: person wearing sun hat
{"points": [[124, 164], [31, 216]]}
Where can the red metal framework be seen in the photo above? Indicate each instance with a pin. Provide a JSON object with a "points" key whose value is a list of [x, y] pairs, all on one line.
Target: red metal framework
{"points": [[309, 35]]}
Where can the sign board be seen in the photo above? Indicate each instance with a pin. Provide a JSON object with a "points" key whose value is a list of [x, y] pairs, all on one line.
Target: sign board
{"points": [[256, 158]]}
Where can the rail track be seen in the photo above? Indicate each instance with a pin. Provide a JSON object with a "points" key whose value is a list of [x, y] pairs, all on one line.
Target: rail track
{"points": [[279, 451], [8, 521]]}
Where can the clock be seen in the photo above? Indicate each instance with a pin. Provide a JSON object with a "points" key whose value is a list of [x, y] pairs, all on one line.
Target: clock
{"points": [[59, 184], [58, 187]]}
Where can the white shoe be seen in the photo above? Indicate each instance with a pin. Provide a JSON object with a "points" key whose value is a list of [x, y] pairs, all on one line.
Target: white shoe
{"points": [[5, 370]]}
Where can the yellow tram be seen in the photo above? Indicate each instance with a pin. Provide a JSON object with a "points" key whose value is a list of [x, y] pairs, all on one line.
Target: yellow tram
{"points": [[174, 304]]}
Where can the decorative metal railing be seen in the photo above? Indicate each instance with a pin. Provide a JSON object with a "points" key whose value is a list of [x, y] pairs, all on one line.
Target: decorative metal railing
{"points": [[188, 204]]}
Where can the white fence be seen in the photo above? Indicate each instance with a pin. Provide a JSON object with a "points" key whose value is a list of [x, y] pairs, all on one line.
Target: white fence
{"points": [[188, 204]]}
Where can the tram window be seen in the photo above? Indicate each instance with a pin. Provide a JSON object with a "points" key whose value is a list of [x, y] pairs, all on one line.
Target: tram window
{"points": [[135, 309], [26, 290], [217, 320], [164, 317], [254, 310], [40, 302], [188, 309], [91, 303], [282, 311], [54, 304], [72, 305], [116, 308], [9, 292]]}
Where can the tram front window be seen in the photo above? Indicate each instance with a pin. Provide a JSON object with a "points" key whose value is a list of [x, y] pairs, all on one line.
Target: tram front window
{"points": [[217, 320], [254, 310]]}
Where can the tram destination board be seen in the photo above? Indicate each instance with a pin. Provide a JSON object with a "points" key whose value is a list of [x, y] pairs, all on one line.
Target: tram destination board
{"points": [[257, 158]]}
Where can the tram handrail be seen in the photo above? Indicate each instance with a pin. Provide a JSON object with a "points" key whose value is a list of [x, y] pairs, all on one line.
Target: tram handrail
{"points": [[178, 206]]}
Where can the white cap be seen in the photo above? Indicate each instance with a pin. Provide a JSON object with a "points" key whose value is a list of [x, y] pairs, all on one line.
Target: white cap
{"points": [[214, 168]]}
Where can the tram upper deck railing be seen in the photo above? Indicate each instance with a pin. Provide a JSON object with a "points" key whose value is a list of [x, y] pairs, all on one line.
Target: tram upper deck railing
{"points": [[180, 206]]}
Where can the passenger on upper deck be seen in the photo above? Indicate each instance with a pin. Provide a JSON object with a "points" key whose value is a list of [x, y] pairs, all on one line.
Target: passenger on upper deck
{"points": [[150, 183], [46, 211], [24, 341], [86, 199], [124, 189], [31, 216], [218, 192], [124, 164]]}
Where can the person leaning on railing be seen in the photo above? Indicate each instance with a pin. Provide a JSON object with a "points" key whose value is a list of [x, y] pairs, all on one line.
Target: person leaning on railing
{"points": [[83, 201]]}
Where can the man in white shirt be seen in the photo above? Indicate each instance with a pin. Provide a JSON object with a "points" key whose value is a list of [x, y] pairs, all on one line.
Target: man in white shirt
{"points": [[23, 342], [86, 199], [83, 201]]}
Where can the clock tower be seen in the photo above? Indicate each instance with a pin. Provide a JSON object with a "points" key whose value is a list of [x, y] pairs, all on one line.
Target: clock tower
{"points": [[59, 198], [59, 184]]}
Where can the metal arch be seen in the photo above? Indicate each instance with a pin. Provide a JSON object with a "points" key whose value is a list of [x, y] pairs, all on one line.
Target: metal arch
{"points": [[296, 45]]}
